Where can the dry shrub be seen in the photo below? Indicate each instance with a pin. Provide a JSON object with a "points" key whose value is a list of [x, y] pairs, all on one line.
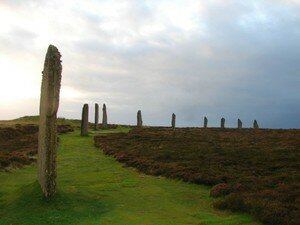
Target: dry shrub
{"points": [[219, 190], [18, 144], [233, 202], [258, 171]]}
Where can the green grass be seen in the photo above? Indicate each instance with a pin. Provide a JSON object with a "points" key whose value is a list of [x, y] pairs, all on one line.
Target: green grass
{"points": [[35, 120], [95, 189]]}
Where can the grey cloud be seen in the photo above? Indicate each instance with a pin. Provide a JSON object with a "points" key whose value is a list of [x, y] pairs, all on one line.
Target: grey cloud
{"points": [[17, 41], [244, 66]]}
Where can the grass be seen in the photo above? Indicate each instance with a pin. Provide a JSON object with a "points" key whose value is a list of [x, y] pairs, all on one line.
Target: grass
{"points": [[35, 120], [257, 169], [19, 143], [95, 189]]}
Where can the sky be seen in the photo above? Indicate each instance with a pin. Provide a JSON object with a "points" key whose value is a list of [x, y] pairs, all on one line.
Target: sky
{"points": [[195, 58]]}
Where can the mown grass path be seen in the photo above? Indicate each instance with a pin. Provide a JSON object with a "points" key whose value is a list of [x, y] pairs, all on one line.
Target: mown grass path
{"points": [[95, 189]]}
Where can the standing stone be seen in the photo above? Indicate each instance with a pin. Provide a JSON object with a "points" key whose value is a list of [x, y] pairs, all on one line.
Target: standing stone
{"points": [[96, 116], [240, 124], [173, 120], [255, 125], [139, 119], [104, 118], [222, 123], [205, 122], [85, 120], [49, 102]]}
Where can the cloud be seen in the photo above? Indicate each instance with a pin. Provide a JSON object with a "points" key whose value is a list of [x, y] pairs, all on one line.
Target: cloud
{"points": [[194, 58]]}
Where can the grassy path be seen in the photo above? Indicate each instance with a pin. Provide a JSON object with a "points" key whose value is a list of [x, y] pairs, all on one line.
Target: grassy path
{"points": [[95, 189]]}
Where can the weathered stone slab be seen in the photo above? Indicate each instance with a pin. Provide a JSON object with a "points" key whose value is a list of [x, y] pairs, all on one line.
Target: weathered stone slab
{"points": [[139, 119], [85, 120], [240, 124], [96, 116], [205, 122], [173, 121], [104, 118], [49, 103], [223, 123], [255, 125]]}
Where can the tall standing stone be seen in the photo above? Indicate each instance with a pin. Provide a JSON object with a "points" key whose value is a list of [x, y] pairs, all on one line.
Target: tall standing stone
{"points": [[139, 119], [205, 122], [223, 123], [255, 125], [240, 124], [104, 118], [173, 121], [49, 102], [85, 120], [96, 116]]}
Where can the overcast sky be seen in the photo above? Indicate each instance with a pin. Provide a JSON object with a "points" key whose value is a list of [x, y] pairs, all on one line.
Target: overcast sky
{"points": [[214, 58]]}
